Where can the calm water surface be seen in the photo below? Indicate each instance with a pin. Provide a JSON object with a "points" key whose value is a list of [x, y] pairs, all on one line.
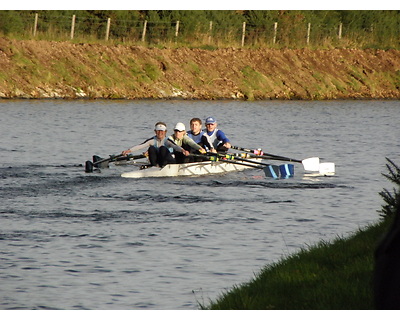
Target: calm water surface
{"points": [[70, 240]]}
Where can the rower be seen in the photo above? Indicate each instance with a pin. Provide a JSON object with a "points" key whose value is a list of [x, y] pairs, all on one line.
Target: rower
{"points": [[181, 139], [216, 137], [196, 133], [159, 147]]}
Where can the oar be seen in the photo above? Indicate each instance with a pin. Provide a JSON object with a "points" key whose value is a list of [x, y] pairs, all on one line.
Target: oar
{"points": [[309, 164], [89, 164], [129, 157], [104, 162], [264, 155], [235, 157], [284, 170], [270, 170]]}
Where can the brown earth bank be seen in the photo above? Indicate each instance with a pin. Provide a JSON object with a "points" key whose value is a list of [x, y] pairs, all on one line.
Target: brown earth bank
{"points": [[47, 69]]}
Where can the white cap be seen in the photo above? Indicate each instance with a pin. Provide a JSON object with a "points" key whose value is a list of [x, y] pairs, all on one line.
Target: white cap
{"points": [[160, 127], [180, 126]]}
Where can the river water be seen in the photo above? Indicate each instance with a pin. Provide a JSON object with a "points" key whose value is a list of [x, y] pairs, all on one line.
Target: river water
{"points": [[71, 240]]}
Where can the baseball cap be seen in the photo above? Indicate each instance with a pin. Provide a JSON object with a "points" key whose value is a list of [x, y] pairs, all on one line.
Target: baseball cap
{"points": [[180, 126], [210, 120]]}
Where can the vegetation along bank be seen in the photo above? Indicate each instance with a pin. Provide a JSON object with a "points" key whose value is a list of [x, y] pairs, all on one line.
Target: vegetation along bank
{"points": [[360, 272], [48, 69]]}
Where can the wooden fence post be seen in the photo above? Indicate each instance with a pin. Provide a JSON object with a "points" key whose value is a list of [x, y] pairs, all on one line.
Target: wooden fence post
{"points": [[73, 27], [275, 31], [340, 31], [35, 24], [108, 28], [144, 30], [176, 31], [243, 33], [308, 33], [210, 32]]}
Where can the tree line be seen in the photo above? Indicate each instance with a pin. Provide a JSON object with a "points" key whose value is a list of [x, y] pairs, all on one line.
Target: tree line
{"points": [[214, 28]]}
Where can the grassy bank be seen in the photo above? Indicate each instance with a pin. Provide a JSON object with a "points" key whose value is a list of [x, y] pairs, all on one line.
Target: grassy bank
{"points": [[64, 70], [327, 276], [333, 275]]}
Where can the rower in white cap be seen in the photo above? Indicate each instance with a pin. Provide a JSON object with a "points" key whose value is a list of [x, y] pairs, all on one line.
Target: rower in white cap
{"points": [[180, 138]]}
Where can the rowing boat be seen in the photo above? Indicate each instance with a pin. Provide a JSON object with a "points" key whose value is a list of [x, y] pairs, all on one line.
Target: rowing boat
{"points": [[215, 164], [187, 169]]}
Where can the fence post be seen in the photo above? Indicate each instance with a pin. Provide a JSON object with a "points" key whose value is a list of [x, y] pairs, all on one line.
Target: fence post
{"points": [[35, 24], [210, 35], [73, 27], [176, 31], [108, 28], [340, 31], [308, 33], [144, 30], [243, 33], [275, 31]]}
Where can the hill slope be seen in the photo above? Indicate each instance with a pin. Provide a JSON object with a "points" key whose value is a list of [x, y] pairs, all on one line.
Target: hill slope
{"points": [[43, 69]]}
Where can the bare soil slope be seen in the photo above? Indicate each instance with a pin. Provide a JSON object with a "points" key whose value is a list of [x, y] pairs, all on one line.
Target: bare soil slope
{"points": [[42, 69]]}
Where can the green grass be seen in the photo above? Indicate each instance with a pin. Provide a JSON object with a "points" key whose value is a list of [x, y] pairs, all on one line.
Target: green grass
{"points": [[326, 276], [151, 71], [253, 82], [143, 72]]}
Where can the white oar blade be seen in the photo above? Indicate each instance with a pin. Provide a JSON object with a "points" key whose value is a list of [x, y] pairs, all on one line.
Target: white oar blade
{"points": [[311, 164], [327, 168]]}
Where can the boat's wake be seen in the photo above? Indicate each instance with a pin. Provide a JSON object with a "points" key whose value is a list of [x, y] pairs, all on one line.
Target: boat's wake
{"points": [[267, 184]]}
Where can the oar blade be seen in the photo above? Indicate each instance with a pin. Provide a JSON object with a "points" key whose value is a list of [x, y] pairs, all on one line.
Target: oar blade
{"points": [[327, 168], [311, 164], [96, 159], [286, 171], [272, 171], [88, 166], [100, 163]]}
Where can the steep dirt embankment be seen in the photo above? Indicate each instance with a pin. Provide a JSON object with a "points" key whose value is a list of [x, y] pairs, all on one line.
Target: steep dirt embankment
{"points": [[41, 69]]}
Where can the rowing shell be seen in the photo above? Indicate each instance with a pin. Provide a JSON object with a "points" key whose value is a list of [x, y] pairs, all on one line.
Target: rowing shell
{"points": [[186, 169]]}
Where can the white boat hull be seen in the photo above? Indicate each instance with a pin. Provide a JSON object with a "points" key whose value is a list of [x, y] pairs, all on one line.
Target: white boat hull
{"points": [[186, 169]]}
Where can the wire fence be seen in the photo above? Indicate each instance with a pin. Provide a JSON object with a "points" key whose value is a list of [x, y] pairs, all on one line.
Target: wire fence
{"points": [[211, 33]]}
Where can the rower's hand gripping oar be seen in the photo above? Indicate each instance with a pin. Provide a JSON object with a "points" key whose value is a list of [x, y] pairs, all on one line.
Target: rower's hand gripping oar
{"points": [[309, 164]]}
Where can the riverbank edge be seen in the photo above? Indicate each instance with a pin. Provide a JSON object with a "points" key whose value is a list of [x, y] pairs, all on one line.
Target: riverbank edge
{"points": [[325, 276], [33, 69], [357, 272]]}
